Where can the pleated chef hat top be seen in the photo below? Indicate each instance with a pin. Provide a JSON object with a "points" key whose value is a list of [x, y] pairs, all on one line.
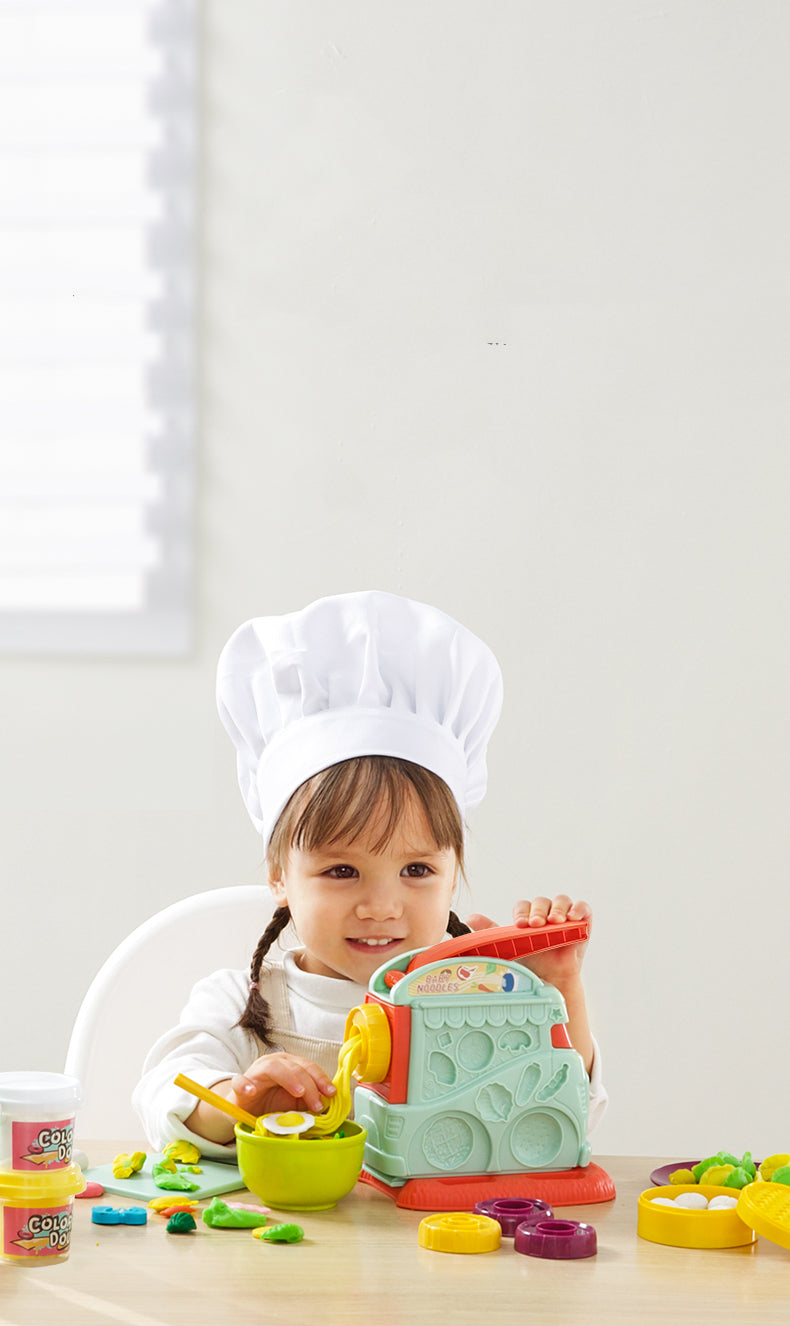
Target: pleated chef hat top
{"points": [[368, 673]]}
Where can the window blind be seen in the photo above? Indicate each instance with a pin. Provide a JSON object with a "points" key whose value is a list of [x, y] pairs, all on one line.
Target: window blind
{"points": [[97, 205]]}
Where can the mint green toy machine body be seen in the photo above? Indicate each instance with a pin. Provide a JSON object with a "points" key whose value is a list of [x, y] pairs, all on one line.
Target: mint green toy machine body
{"points": [[493, 1084]]}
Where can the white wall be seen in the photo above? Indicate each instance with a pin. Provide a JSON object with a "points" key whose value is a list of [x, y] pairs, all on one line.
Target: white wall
{"points": [[495, 315]]}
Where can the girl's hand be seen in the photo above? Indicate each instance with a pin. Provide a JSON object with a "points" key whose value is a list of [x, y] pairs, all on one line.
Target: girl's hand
{"points": [[272, 1083], [561, 967], [281, 1082]]}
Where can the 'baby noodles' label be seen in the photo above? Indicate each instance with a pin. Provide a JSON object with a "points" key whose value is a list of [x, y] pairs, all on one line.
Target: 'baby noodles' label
{"points": [[36, 1231], [42, 1146], [470, 977]]}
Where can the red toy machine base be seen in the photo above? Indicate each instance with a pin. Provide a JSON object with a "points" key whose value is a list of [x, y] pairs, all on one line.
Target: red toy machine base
{"points": [[571, 1187]]}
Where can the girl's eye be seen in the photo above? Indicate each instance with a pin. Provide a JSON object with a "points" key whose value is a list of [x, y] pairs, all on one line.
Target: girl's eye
{"points": [[417, 870], [341, 872]]}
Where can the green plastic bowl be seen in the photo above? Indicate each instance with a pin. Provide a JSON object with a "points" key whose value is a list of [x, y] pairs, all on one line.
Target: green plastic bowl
{"points": [[300, 1174]]}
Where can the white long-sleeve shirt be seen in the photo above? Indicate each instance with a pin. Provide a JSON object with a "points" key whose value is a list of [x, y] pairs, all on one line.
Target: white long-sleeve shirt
{"points": [[308, 1018]]}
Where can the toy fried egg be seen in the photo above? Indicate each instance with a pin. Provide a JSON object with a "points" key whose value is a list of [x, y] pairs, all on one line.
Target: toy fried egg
{"points": [[290, 1123]]}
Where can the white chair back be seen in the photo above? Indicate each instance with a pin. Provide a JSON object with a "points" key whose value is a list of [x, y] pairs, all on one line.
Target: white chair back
{"points": [[140, 990]]}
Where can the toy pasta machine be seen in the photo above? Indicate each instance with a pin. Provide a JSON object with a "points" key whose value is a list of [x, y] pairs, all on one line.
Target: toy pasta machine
{"points": [[469, 1086]]}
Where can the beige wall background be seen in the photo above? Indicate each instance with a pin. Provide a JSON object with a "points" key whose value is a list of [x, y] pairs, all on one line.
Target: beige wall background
{"points": [[494, 314]]}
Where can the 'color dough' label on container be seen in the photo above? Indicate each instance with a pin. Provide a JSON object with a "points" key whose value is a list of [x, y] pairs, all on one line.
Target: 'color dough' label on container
{"points": [[42, 1146], [36, 1231]]}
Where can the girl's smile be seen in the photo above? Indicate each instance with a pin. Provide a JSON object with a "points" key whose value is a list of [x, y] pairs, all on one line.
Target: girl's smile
{"points": [[355, 908]]}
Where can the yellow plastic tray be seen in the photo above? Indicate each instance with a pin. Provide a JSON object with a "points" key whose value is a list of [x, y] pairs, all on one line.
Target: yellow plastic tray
{"points": [[688, 1228]]}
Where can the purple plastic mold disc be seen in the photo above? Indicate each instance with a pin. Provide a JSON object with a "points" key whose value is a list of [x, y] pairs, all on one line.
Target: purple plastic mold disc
{"points": [[560, 1240], [514, 1211]]}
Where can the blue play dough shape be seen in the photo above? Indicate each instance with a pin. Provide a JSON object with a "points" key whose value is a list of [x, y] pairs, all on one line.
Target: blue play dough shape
{"points": [[119, 1215]]}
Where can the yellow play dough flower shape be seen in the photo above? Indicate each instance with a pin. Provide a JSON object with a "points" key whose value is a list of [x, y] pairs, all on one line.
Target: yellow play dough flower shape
{"points": [[124, 1165], [186, 1153]]}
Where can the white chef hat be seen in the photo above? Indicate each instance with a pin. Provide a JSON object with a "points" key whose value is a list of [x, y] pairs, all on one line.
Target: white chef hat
{"points": [[368, 673]]}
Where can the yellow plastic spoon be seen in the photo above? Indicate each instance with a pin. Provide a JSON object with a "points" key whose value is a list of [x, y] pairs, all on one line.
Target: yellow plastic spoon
{"points": [[258, 1124], [213, 1098]]}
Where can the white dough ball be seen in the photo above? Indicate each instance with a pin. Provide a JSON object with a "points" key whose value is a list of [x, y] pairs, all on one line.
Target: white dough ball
{"points": [[663, 1201], [80, 1159], [696, 1201], [719, 1203]]}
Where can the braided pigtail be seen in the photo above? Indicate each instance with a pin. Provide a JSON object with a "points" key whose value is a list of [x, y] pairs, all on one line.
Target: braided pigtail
{"points": [[456, 927], [257, 1014]]}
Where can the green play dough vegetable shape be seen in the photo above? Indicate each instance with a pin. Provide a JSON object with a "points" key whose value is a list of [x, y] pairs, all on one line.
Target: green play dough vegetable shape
{"points": [[738, 1179], [781, 1175], [164, 1178], [282, 1234], [181, 1223], [218, 1215], [727, 1158]]}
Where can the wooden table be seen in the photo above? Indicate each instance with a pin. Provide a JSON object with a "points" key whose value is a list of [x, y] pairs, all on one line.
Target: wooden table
{"points": [[360, 1265]]}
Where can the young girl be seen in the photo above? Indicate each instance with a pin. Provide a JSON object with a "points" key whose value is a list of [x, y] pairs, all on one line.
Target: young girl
{"points": [[361, 726]]}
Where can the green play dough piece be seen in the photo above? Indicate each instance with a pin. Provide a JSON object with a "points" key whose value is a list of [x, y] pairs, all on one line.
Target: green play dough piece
{"points": [[738, 1179], [781, 1175], [748, 1164], [283, 1234], [699, 1169], [164, 1178], [218, 1215], [181, 1223]]}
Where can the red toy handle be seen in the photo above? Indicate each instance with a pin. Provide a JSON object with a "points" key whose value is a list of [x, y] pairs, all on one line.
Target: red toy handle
{"points": [[509, 942]]}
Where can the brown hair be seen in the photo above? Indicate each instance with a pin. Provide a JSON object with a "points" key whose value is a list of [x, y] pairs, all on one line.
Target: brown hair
{"points": [[339, 802]]}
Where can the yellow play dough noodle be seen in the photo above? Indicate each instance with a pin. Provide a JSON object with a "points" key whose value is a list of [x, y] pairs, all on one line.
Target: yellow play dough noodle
{"points": [[339, 1107]]}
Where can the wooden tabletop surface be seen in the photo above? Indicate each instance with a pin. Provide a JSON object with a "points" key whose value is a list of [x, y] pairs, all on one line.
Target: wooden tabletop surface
{"points": [[360, 1265]]}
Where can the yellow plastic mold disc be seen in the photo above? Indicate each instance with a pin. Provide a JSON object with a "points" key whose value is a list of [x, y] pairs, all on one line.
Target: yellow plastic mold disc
{"points": [[684, 1227], [766, 1208], [459, 1231]]}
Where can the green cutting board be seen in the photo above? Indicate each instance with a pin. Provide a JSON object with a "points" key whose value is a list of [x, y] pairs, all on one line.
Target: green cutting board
{"points": [[217, 1177]]}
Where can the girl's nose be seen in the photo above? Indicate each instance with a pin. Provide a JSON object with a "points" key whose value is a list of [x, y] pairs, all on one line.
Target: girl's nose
{"points": [[379, 902]]}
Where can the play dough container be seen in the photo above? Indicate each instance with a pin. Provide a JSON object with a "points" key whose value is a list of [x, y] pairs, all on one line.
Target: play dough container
{"points": [[299, 1173], [37, 1121], [35, 1215]]}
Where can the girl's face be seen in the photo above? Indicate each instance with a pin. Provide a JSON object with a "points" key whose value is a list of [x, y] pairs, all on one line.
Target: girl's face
{"points": [[354, 908]]}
